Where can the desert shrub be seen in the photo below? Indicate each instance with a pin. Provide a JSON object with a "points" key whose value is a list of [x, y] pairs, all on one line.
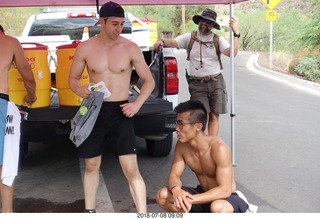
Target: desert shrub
{"points": [[309, 68], [292, 66]]}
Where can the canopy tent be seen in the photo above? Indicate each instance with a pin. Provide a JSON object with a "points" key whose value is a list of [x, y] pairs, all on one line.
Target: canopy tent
{"points": [[29, 3], [33, 3]]}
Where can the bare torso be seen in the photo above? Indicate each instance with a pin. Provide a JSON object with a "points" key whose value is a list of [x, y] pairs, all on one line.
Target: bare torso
{"points": [[111, 64], [6, 58], [203, 163], [110, 58]]}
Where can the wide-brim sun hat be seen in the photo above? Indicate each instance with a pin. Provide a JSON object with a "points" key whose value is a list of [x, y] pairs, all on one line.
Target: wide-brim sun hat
{"points": [[209, 15]]}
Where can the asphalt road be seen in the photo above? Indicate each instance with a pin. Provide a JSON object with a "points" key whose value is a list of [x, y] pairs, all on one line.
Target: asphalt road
{"points": [[276, 139], [276, 153]]}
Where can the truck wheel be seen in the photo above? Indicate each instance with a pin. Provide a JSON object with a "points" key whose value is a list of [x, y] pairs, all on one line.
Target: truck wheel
{"points": [[159, 148], [23, 154]]}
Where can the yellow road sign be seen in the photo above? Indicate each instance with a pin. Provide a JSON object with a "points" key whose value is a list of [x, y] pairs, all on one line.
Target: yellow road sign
{"points": [[271, 3], [271, 15]]}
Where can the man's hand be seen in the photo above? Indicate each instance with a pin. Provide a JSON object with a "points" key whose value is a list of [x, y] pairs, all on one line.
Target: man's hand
{"points": [[181, 200], [130, 109], [30, 100], [234, 25], [157, 44], [83, 91]]}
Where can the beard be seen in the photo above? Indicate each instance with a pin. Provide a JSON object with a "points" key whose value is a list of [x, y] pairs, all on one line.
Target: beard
{"points": [[204, 29]]}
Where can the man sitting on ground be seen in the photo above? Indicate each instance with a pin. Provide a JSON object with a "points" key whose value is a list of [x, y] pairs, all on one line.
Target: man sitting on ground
{"points": [[210, 159]]}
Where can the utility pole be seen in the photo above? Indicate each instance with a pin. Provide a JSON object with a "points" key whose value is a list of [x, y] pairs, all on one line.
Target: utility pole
{"points": [[183, 9]]}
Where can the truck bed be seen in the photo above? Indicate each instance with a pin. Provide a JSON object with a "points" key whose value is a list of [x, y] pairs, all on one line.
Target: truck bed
{"points": [[56, 113]]}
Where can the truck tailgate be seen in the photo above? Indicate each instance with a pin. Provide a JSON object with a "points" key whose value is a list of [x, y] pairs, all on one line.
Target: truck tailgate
{"points": [[56, 113]]}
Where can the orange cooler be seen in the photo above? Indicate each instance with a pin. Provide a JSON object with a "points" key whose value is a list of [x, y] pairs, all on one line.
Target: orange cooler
{"points": [[37, 56], [65, 55]]}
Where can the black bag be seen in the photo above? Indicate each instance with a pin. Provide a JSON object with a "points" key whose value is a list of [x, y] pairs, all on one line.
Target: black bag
{"points": [[188, 77]]}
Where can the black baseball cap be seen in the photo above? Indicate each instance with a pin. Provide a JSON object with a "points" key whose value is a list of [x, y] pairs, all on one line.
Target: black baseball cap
{"points": [[111, 9]]}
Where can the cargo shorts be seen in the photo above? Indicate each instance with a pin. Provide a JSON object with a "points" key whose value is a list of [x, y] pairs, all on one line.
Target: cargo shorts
{"points": [[211, 93]]}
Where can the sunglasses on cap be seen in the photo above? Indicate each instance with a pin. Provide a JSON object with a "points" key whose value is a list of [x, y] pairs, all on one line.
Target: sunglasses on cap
{"points": [[206, 21]]}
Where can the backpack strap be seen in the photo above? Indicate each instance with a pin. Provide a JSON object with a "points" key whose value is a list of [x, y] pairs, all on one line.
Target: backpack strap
{"points": [[215, 43], [192, 39]]}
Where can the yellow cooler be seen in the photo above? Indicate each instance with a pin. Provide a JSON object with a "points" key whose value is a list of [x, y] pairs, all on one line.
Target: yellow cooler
{"points": [[37, 56], [65, 55]]}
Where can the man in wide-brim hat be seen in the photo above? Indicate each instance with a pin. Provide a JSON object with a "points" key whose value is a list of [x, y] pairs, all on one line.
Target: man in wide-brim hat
{"points": [[205, 68]]}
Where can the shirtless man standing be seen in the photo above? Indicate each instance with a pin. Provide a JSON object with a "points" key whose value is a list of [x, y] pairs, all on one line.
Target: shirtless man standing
{"points": [[110, 58], [209, 158], [11, 51]]}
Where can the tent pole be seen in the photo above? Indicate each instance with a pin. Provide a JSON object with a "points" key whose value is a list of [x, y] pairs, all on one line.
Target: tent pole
{"points": [[232, 114], [97, 5]]}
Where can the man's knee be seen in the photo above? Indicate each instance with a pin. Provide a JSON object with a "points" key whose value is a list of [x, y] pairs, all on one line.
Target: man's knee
{"points": [[221, 206], [92, 165], [161, 196], [129, 166]]}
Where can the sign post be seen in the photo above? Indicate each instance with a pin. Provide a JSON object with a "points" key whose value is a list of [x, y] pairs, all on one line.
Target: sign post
{"points": [[271, 15]]}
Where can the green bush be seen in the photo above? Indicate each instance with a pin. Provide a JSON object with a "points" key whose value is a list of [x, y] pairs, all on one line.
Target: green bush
{"points": [[309, 68]]}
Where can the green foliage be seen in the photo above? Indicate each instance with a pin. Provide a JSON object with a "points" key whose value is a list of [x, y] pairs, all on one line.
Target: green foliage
{"points": [[309, 68], [311, 33], [287, 28], [13, 20], [162, 14], [169, 17], [292, 31], [254, 30]]}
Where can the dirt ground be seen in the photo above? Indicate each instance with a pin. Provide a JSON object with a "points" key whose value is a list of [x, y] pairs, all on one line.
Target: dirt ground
{"points": [[279, 65]]}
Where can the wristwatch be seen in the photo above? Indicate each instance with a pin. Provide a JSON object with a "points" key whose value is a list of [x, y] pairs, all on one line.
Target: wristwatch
{"points": [[236, 35]]}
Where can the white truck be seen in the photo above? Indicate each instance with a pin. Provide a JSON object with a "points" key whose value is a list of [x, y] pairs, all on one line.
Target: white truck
{"points": [[155, 122], [54, 27]]}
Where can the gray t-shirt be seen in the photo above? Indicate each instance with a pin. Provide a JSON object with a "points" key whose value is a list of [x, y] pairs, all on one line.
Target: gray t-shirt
{"points": [[210, 62]]}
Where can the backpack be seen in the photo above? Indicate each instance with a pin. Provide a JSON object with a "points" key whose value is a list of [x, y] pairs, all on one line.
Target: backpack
{"points": [[215, 42]]}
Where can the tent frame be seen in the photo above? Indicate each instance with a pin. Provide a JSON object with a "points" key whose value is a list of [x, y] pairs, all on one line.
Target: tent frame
{"points": [[97, 3]]}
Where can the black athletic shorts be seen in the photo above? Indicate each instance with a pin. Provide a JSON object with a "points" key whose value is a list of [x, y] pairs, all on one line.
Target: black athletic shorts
{"points": [[238, 204], [112, 129]]}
